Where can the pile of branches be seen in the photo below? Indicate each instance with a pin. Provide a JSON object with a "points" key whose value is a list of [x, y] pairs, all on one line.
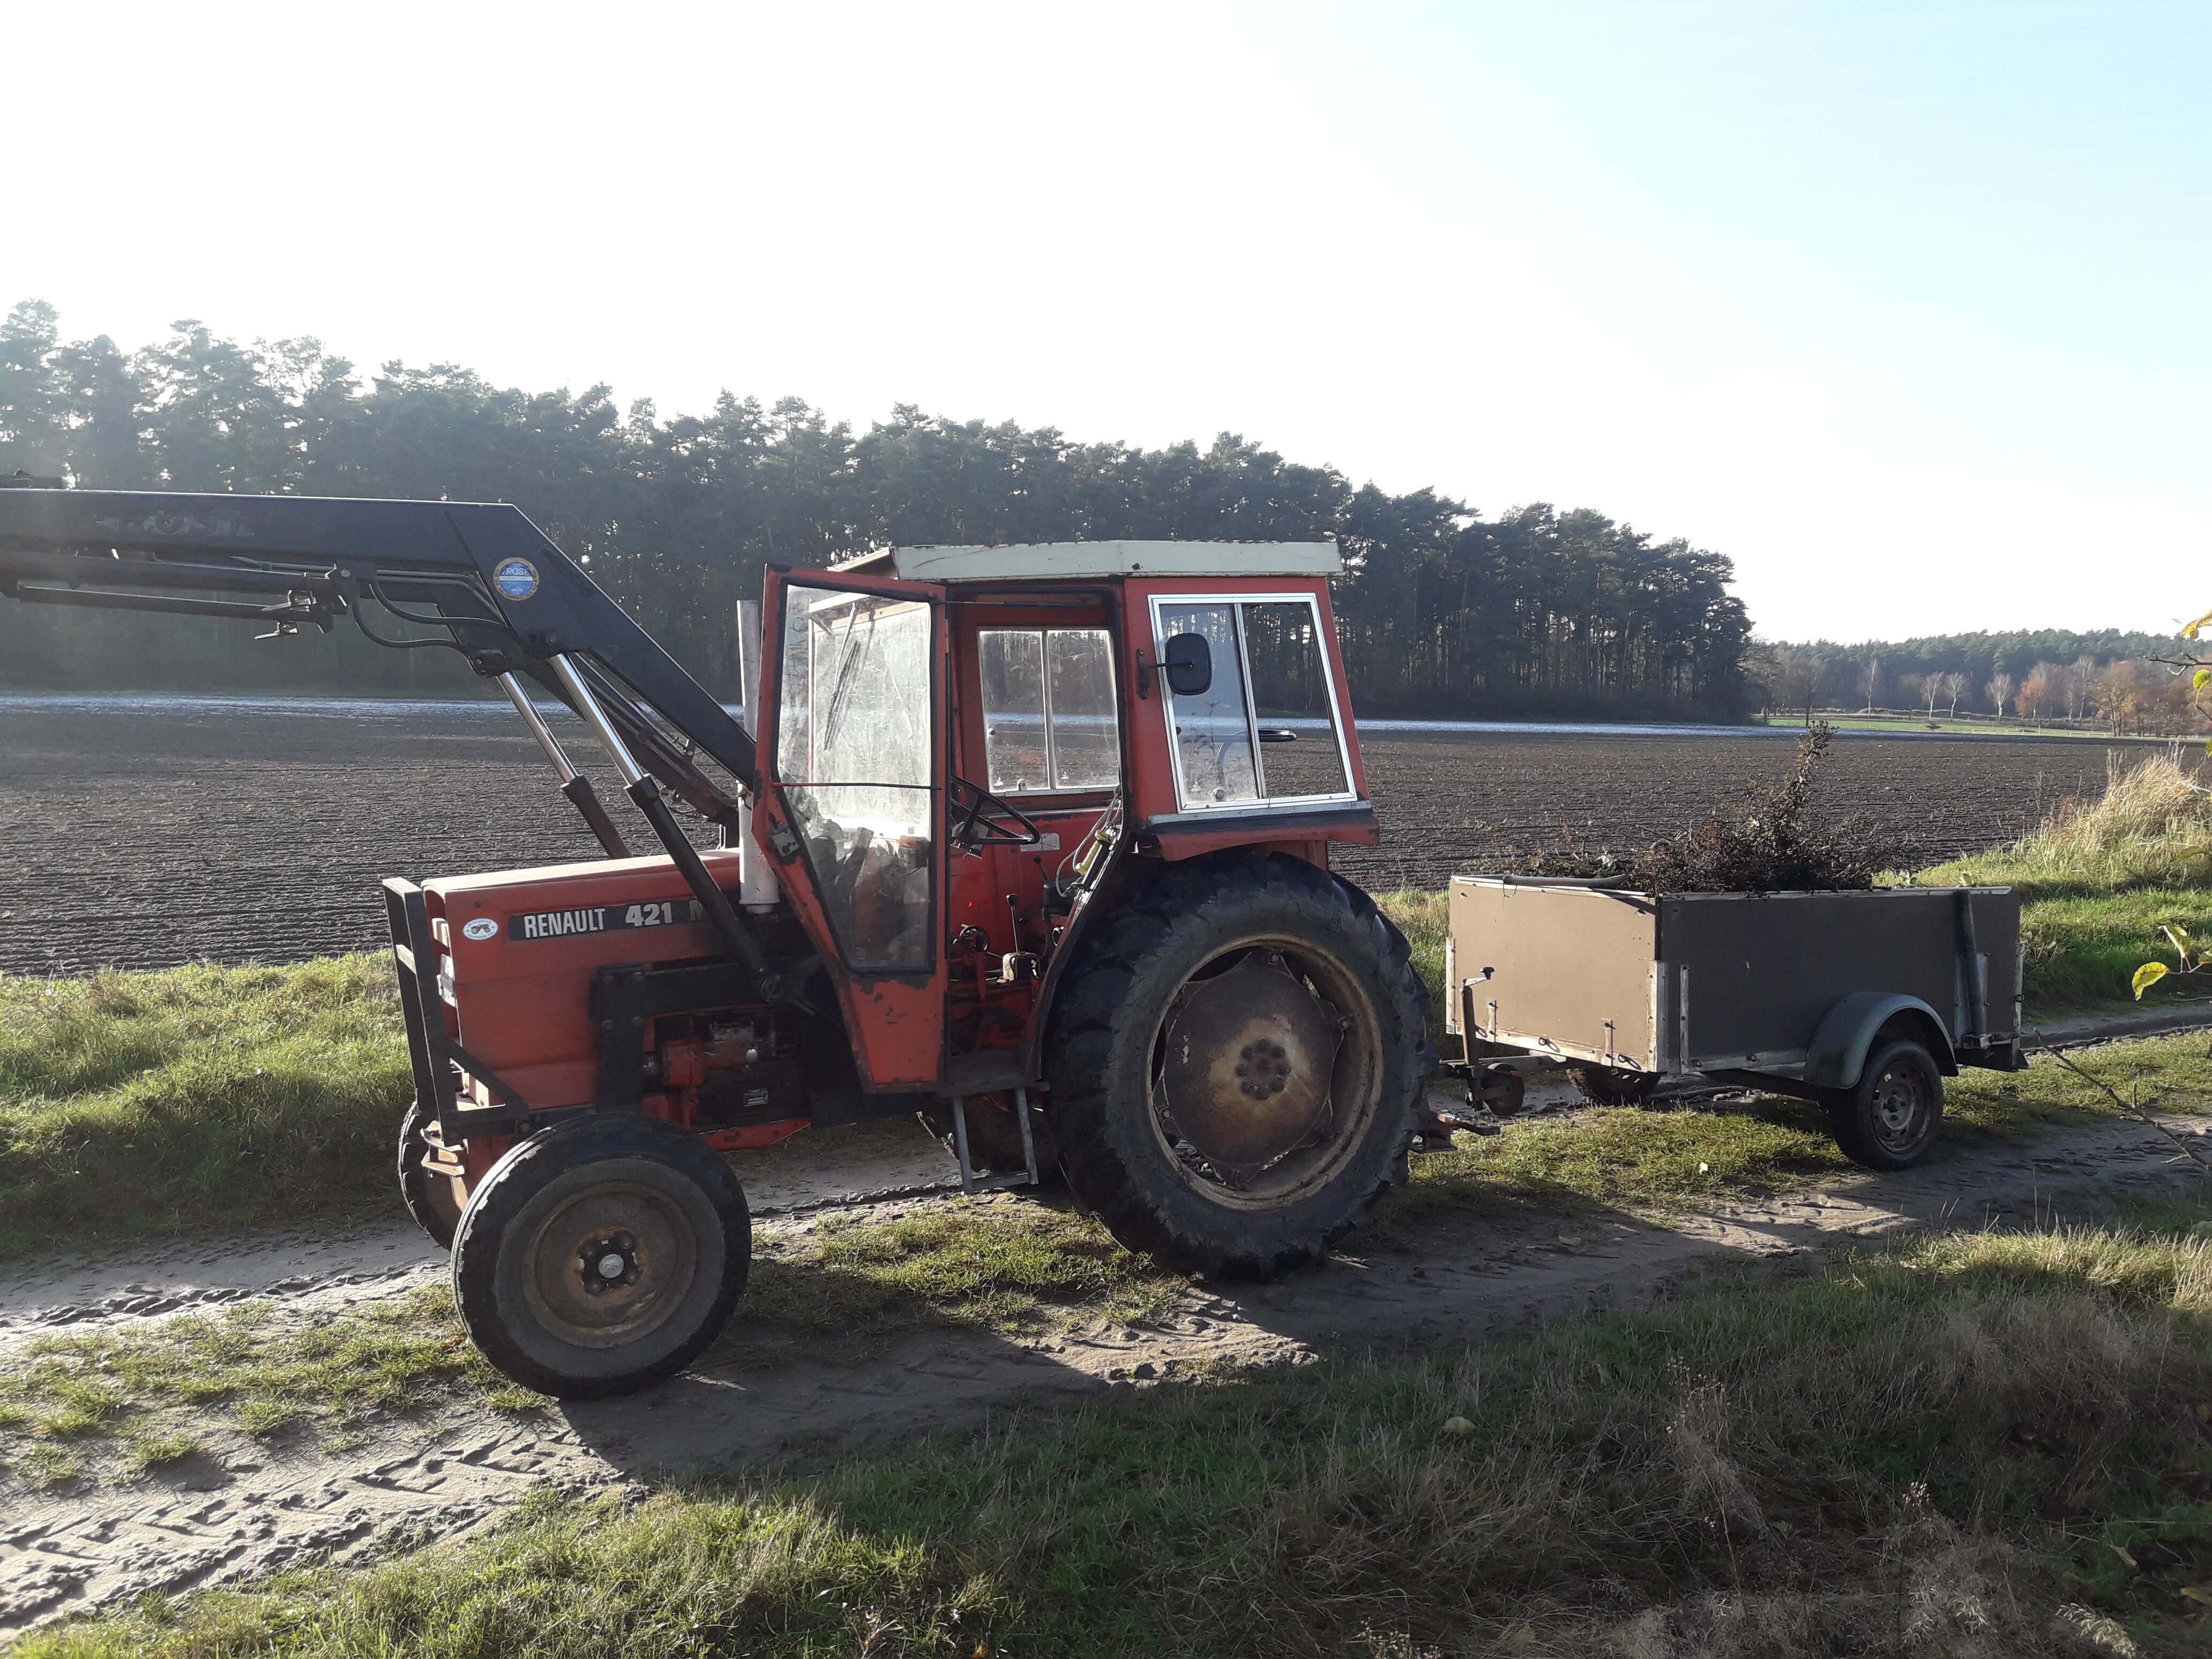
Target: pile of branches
{"points": [[1771, 844]]}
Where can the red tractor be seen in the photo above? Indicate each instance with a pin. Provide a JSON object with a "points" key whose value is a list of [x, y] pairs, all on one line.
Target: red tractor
{"points": [[1034, 841]]}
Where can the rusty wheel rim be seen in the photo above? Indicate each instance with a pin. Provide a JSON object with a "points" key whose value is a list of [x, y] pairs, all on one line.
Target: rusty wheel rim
{"points": [[611, 1265], [1274, 1092], [1900, 1106]]}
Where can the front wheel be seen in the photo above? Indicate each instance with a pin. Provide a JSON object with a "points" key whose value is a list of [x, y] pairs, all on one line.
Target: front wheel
{"points": [[433, 1199], [1888, 1120], [601, 1254], [1235, 1064]]}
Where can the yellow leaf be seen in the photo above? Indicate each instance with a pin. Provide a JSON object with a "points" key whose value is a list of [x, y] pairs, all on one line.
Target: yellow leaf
{"points": [[2147, 975], [2189, 632], [2198, 1592], [2201, 678]]}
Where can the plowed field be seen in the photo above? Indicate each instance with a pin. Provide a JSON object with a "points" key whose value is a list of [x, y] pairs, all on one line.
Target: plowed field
{"points": [[147, 835]]}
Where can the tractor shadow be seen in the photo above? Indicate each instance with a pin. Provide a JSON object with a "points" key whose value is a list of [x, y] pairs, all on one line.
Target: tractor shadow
{"points": [[901, 1320], [833, 1345]]}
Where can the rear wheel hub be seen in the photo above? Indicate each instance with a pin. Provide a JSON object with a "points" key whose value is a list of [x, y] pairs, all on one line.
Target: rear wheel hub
{"points": [[1248, 1058]]}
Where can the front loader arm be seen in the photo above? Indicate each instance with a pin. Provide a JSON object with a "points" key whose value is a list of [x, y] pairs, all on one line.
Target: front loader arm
{"points": [[480, 574], [315, 560]]}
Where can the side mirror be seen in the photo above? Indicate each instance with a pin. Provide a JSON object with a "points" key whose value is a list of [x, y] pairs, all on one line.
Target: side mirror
{"points": [[1188, 663]]}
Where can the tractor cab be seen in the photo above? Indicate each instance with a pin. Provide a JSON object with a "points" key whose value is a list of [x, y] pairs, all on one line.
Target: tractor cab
{"points": [[957, 742]]}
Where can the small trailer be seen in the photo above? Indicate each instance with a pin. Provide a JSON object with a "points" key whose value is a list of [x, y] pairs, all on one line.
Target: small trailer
{"points": [[1863, 1001]]}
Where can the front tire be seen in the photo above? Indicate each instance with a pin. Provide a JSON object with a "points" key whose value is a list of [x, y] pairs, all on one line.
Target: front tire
{"points": [[433, 1199], [601, 1254], [1888, 1119], [1236, 1063]]}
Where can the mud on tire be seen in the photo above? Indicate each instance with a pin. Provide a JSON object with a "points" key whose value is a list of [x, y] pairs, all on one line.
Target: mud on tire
{"points": [[601, 1254], [1125, 1155]]}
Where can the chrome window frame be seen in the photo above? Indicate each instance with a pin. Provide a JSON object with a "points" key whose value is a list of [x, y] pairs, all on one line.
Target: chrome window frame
{"points": [[1237, 602]]}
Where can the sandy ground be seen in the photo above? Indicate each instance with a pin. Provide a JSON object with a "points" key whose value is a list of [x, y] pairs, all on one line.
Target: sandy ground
{"points": [[244, 1507]]}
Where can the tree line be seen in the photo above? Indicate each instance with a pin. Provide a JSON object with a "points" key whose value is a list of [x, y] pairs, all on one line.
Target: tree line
{"points": [[2129, 682], [1441, 612]]}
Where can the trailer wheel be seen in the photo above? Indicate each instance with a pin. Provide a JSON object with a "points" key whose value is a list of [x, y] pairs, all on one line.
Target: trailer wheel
{"points": [[1606, 1086], [601, 1254], [1889, 1121], [1236, 1063], [430, 1198]]}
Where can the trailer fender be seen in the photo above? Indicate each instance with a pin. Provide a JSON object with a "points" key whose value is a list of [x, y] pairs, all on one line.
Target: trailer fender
{"points": [[1847, 1031]]}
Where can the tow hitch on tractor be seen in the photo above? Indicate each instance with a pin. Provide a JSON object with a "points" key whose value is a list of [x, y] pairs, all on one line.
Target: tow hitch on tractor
{"points": [[1033, 841]]}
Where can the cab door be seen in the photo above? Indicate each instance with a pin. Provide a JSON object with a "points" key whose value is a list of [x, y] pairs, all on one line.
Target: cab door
{"points": [[852, 761]]}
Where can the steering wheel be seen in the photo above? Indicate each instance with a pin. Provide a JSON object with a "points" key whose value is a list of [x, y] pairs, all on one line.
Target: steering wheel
{"points": [[974, 812]]}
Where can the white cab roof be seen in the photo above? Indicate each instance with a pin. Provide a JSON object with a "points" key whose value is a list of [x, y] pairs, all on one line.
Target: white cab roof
{"points": [[1078, 561]]}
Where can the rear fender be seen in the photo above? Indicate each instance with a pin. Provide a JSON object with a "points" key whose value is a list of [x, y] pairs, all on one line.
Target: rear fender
{"points": [[1848, 1029]]}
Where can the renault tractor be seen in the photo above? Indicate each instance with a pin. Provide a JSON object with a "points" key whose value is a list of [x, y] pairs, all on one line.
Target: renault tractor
{"points": [[1032, 840]]}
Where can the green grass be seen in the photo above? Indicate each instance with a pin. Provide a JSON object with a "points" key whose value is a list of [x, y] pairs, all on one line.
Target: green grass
{"points": [[135, 1393], [1007, 1263], [1425, 919], [198, 1099], [2098, 880], [1660, 1164], [144, 1394], [1968, 1444], [1952, 726]]}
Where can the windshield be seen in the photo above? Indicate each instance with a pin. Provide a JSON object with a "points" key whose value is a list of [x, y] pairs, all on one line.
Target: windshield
{"points": [[852, 749]]}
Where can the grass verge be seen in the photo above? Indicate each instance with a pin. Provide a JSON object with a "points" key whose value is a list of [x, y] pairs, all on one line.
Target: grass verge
{"points": [[1965, 1444], [1662, 1162], [123, 1400], [146, 1394], [1009, 1263], [198, 1099], [1425, 919], [2100, 878], [102, 1402]]}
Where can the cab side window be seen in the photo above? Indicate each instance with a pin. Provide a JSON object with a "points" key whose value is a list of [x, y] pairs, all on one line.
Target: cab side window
{"points": [[1050, 721], [1266, 726]]}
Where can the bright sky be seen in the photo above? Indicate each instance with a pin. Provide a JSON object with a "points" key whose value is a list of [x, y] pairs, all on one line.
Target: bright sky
{"points": [[1900, 305]]}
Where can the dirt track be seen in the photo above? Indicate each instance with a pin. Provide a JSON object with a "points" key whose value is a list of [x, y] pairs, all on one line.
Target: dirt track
{"points": [[148, 836], [243, 1507]]}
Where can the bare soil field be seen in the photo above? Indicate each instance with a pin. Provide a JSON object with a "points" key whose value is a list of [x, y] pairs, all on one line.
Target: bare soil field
{"points": [[144, 835]]}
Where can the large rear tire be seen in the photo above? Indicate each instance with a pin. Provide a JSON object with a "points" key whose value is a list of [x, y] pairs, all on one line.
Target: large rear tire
{"points": [[431, 1199], [1237, 1062], [601, 1254]]}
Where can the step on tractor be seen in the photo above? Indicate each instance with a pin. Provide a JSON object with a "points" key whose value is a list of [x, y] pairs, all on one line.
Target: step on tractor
{"points": [[1031, 841]]}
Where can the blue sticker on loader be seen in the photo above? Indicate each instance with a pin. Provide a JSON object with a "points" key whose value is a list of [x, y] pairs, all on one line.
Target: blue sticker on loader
{"points": [[516, 578]]}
